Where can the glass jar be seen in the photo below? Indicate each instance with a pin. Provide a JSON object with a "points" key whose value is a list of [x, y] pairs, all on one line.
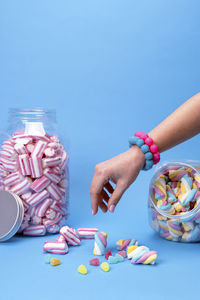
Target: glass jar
{"points": [[174, 201], [34, 167]]}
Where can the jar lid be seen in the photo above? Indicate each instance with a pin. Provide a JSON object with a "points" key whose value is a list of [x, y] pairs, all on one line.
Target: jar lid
{"points": [[11, 214]]}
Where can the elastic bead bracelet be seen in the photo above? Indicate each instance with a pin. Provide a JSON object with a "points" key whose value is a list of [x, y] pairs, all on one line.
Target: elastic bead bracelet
{"points": [[150, 150]]}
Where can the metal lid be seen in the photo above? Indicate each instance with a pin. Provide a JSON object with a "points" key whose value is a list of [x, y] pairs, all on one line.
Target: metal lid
{"points": [[11, 214]]}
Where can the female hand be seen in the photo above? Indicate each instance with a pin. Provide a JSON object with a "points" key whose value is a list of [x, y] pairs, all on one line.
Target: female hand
{"points": [[122, 170]]}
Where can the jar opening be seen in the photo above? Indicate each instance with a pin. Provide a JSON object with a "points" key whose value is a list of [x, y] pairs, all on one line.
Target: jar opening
{"points": [[161, 170], [26, 114]]}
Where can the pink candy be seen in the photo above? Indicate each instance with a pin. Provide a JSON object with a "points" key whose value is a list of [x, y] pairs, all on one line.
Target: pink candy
{"points": [[70, 235], [33, 167], [55, 247], [87, 233], [35, 230]]}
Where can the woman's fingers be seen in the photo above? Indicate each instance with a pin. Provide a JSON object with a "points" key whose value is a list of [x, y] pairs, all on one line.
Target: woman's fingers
{"points": [[96, 188], [116, 196]]}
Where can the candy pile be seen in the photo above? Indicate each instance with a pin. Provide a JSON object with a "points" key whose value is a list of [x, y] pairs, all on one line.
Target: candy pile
{"points": [[125, 247], [35, 168], [174, 204]]}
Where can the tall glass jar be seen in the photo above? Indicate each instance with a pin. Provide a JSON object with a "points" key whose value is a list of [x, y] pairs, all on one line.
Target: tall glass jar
{"points": [[34, 166], [174, 201]]}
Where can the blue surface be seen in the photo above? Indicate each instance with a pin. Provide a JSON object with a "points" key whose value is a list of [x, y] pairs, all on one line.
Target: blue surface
{"points": [[109, 68]]}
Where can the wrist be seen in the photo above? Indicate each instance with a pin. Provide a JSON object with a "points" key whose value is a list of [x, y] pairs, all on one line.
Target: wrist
{"points": [[137, 156]]}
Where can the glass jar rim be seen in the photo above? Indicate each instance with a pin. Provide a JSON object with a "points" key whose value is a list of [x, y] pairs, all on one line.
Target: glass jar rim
{"points": [[163, 167]]}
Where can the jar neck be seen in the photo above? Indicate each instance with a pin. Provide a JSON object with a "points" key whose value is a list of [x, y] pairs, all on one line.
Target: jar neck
{"points": [[32, 121], [32, 115]]}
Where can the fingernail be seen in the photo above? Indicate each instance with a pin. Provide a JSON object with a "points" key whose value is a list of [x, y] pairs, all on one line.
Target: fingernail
{"points": [[93, 212], [112, 208]]}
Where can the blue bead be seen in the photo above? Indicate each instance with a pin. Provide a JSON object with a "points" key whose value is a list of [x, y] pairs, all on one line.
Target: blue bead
{"points": [[140, 142], [133, 140], [148, 155], [149, 164], [144, 148]]}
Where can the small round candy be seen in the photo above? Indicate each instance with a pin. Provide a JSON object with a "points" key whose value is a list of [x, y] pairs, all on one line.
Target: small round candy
{"points": [[154, 148], [105, 266], [55, 261], [82, 269]]}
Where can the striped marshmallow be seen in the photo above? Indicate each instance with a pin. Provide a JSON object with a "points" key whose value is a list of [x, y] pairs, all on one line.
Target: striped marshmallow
{"points": [[87, 233], [9, 165], [70, 235], [42, 208], [51, 161], [24, 165], [53, 228], [36, 198], [40, 184], [54, 191], [35, 230], [60, 239], [55, 247], [49, 173], [36, 167], [21, 187], [39, 149], [56, 220], [20, 149], [12, 179]]}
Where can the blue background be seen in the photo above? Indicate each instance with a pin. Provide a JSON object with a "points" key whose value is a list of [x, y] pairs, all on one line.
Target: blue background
{"points": [[109, 68]]}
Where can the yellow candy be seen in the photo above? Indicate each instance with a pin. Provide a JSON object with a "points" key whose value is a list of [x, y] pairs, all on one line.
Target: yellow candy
{"points": [[183, 189], [159, 217], [159, 203], [54, 261], [82, 269], [105, 234], [120, 242], [105, 266], [150, 259], [178, 207], [131, 248], [194, 186]]}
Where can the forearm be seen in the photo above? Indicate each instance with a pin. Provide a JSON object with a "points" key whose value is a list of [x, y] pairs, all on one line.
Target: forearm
{"points": [[178, 127]]}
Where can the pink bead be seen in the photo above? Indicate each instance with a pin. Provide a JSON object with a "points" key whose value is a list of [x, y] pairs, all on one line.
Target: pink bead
{"points": [[141, 135], [148, 141], [153, 148], [155, 161], [156, 156]]}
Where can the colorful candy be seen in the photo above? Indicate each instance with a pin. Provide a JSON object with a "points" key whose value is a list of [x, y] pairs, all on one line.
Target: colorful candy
{"points": [[94, 262], [56, 247], [82, 269], [105, 267], [100, 243], [70, 235], [33, 167], [142, 255], [108, 253], [55, 261], [87, 233], [123, 244]]}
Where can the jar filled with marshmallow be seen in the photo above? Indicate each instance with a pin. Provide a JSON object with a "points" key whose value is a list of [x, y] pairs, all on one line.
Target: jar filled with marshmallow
{"points": [[174, 201], [34, 169]]}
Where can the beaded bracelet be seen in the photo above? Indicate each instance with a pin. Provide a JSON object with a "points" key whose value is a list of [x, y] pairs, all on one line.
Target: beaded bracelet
{"points": [[147, 146]]}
